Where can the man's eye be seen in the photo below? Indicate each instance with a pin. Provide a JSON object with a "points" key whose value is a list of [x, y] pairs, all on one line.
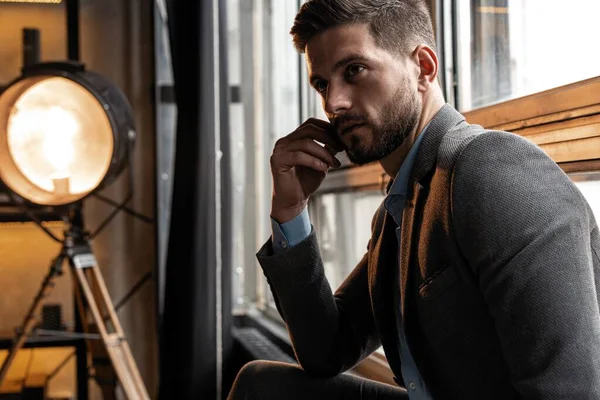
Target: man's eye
{"points": [[354, 70], [321, 86]]}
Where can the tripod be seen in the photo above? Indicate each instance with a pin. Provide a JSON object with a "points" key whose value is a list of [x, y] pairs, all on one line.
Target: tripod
{"points": [[92, 301]]}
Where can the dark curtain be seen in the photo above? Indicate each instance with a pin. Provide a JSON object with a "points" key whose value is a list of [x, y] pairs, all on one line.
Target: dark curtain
{"points": [[189, 347]]}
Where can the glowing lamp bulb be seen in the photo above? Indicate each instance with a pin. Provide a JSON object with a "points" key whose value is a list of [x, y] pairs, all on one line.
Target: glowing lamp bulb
{"points": [[45, 135], [64, 133], [58, 143]]}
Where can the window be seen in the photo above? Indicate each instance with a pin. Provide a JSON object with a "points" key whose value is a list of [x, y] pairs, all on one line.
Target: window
{"points": [[265, 79], [343, 225], [511, 48]]}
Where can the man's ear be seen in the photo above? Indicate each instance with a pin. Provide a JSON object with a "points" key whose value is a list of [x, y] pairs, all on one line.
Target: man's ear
{"points": [[428, 64]]}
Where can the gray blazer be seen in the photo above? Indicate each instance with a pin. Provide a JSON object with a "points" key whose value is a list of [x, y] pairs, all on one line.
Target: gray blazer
{"points": [[499, 276]]}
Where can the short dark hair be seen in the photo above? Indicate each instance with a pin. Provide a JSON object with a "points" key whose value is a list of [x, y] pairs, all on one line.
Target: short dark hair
{"points": [[396, 25]]}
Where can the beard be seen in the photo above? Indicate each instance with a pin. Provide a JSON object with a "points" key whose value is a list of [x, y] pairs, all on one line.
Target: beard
{"points": [[398, 119]]}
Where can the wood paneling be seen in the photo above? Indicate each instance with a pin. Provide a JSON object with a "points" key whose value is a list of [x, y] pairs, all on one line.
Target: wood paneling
{"points": [[575, 100], [564, 122]]}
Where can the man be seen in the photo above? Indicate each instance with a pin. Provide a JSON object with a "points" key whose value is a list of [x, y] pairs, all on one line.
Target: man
{"points": [[481, 279]]}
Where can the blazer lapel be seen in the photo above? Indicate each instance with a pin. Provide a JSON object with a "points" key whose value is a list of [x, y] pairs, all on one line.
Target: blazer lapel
{"points": [[446, 119], [384, 252], [409, 238]]}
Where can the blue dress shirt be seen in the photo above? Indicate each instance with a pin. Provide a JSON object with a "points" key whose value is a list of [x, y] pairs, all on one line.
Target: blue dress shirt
{"points": [[291, 233], [295, 231], [394, 205]]}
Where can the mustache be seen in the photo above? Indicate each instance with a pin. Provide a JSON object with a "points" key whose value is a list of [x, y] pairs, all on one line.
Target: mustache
{"points": [[346, 120]]}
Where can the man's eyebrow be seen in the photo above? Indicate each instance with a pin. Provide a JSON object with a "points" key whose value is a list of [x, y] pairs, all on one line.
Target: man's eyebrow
{"points": [[340, 64], [347, 60]]}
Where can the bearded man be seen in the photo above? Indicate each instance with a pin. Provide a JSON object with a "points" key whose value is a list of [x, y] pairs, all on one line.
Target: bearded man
{"points": [[482, 276]]}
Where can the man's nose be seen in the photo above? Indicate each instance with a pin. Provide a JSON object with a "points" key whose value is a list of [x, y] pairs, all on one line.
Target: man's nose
{"points": [[337, 100]]}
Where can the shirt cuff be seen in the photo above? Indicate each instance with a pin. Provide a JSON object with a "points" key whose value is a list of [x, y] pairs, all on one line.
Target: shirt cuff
{"points": [[291, 233]]}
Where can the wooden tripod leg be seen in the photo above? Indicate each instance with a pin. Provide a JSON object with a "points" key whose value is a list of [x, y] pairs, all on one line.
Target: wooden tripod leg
{"points": [[115, 342], [98, 357], [128, 356]]}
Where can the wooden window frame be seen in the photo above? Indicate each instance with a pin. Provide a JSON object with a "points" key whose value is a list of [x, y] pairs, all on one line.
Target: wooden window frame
{"points": [[564, 122]]}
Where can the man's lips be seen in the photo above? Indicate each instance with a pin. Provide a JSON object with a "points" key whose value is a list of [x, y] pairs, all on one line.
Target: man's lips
{"points": [[350, 128]]}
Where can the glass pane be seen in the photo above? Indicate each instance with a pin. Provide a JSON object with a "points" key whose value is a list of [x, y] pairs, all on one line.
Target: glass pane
{"points": [[342, 222], [282, 73], [264, 77], [512, 48]]}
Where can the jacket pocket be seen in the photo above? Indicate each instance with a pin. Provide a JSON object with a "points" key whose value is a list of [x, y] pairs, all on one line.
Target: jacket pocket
{"points": [[438, 282]]}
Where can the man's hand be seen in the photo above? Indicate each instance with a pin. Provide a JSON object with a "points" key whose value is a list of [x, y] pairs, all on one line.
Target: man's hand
{"points": [[299, 165]]}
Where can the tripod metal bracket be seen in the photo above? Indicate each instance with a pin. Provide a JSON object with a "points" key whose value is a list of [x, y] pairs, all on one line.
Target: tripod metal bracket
{"points": [[81, 261]]}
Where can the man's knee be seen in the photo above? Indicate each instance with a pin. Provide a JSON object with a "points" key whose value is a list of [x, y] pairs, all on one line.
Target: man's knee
{"points": [[252, 371], [261, 379]]}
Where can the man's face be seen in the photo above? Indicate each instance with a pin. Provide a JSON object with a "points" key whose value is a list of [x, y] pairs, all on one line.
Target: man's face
{"points": [[369, 94]]}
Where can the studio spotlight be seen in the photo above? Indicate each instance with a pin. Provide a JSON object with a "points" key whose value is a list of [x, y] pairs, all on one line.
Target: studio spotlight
{"points": [[64, 133]]}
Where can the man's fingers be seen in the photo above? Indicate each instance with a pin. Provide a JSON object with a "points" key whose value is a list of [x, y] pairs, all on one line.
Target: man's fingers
{"points": [[316, 130], [334, 152], [325, 136], [309, 146], [288, 160], [331, 150], [317, 122]]}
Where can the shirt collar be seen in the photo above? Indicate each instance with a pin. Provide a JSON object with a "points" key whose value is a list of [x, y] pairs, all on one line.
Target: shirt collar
{"points": [[400, 184]]}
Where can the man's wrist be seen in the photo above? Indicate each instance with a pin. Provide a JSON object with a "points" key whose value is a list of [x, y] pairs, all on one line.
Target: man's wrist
{"points": [[291, 233], [283, 215]]}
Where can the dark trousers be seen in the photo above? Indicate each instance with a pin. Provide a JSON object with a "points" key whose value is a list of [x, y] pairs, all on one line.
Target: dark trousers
{"points": [[268, 380]]}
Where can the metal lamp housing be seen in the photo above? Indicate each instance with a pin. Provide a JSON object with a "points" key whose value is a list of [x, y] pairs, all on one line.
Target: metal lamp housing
{"points": [[100, 106]]}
